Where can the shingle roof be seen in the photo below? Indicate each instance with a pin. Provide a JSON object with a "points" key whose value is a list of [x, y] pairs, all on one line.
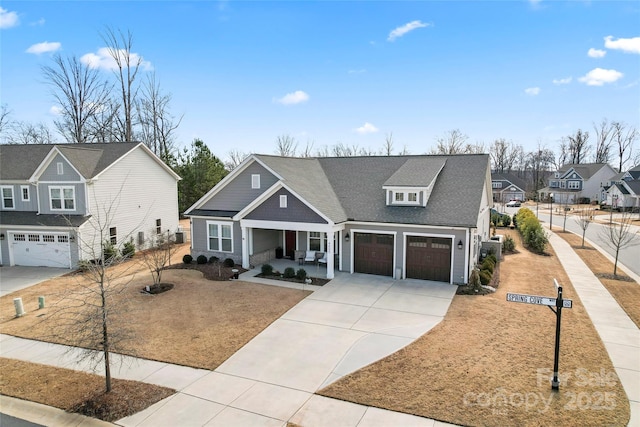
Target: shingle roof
{"points": [[634, 186], [19, 162], [496, 176], [48, 220], [417, 172], [585, 170], [350, 188]]}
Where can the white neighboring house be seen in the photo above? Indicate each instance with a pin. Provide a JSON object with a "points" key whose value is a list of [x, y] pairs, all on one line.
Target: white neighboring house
{"points": [[59, 202], [574, 182], [623, 191]]}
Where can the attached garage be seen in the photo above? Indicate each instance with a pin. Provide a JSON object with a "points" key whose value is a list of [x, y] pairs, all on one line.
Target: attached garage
{"points": [[40, 249], [373, 253], [429, 258]]}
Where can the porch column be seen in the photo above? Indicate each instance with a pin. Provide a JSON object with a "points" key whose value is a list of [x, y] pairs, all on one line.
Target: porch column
{"points": [[245, 247], [330, 252]]}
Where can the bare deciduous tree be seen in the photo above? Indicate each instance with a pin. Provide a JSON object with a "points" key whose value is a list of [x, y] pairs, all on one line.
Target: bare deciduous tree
{"points": [[453, 142], [235, 157], [624, 138], [120, 48], [619, 235], [157, 125], [584, 218], [80, 94], [29, 133], [286, 146], [604, 133], [158, 256], [307, 151], [5, 119], [579, 147], [387, 148]]}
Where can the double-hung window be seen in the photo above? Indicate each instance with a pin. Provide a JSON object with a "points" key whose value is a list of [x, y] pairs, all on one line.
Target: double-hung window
{"points": [[220, 237], [24, 189], [7, 198], [62, 198]]}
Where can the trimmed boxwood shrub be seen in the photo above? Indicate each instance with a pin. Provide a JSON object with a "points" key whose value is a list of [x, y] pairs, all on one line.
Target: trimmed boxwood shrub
{"points": [[202, 259], [485, 277], [301, 274], [289, 273], [187, 259], [267, 269], [213, 259], [228, 262]]}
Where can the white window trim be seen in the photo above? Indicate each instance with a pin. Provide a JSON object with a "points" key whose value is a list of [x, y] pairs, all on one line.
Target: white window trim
{"points": [[323, 240], [574, 185], [60, 168], [255, 181], [62, 188], [22, 188], [405, 198], [283, 200], [219, 237], [13, 196], [496, 184]]}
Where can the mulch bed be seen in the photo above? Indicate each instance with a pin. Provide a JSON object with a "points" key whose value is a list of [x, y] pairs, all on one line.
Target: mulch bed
{"points": [[211, 271], [316, 281]]}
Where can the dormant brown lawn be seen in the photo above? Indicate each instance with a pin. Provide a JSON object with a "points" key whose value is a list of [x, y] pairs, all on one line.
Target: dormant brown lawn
{"points": [[489, 361]]}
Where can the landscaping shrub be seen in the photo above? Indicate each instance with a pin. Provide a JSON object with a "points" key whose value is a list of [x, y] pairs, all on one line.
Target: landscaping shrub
{"points": [[228, 262], [532, 233], [128, 249], [187, 259], [202, 259], [301, 274], [267, 269], [109, 251], [213, 259], [538, 240], [495, 218], [493, 258], [509, 244], [506, 220], [485, 277], [489, 265], [289, 273]]}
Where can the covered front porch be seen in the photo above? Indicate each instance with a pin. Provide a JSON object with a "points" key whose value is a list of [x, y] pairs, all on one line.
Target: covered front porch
{"points": [[285, 244]]}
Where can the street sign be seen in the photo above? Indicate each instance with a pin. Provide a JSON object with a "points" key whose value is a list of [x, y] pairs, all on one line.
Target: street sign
{"points": [[538, 300]]}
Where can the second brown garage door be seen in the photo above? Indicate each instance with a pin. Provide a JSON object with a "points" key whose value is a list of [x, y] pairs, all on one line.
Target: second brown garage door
{"points": [[373, 253], [429, 258]]}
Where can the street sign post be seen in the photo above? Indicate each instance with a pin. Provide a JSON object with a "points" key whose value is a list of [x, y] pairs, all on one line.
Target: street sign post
{"points": [[559, 303]]}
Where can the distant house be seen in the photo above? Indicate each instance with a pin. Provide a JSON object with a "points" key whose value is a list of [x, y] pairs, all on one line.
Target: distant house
{"points": [[60, 202], [623, 190], [578, 183], [420, 217], [507, 187]]}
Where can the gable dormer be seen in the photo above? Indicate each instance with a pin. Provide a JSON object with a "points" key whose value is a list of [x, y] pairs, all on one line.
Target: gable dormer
{"points": [[412, 183]]}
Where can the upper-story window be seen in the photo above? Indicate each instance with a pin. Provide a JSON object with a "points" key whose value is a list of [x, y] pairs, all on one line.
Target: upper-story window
{"points": [[60, 168], [405, 198], [24, 190], [283, 201], [62, 198], [255, 181], [159, 226], [496, 184], [7, 197], [574, 185]]}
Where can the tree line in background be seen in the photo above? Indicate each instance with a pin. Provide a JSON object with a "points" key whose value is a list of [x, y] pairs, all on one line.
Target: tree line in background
{"points": [[125, 107]]}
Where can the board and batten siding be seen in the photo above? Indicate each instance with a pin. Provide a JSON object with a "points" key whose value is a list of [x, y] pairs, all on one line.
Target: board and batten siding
{"points": [[237, 194], [295, 211], [131, 195]]}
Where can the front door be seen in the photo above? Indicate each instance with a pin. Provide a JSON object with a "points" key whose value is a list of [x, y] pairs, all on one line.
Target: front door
{"points": [[290, 243]]}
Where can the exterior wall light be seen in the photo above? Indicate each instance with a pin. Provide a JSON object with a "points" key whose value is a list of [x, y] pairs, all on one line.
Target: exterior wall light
{"points": [[459, 244], [347, 237]]}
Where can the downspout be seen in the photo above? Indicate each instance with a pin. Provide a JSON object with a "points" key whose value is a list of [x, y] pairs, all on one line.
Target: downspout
{"points": [[467, 256]]}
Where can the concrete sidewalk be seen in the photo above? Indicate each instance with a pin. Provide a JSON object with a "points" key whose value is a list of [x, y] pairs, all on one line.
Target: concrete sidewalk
{"points": [[620, 335], [350, 322]]}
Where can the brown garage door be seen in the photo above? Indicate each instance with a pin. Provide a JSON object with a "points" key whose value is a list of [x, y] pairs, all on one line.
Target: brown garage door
{"points": [[429, 258], [373, 254]]}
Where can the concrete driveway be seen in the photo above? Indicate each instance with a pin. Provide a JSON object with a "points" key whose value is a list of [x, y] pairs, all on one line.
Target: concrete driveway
{"points": [[347, 324], [15, 278]]}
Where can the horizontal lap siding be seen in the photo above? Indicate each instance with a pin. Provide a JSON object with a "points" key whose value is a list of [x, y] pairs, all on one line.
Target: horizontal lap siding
{"points": [[296, 210]]}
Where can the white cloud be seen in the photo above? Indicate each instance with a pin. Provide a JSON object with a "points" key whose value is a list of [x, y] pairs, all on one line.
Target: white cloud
{"points": [[44, 47], [8, 19], [564, 81], [599, 76], [40, 22], [532, 91], [102, 59], [296, 97], [631, 45], [401, 31], [596, 53], [366, 128], [55, 110]]}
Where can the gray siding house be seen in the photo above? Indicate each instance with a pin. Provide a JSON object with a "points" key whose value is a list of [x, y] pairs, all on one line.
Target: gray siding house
{"points": [[60, 202], [574, 182], [507, 187], [418, 217]]}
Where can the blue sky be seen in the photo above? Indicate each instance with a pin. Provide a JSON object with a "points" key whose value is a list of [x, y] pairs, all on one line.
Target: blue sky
{"points": [[351, 72]]}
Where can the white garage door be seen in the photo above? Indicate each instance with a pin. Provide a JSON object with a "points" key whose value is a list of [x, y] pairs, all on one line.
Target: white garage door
{"points": [[40, 249]]}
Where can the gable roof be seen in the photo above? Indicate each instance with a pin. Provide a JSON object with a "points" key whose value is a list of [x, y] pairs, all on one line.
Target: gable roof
{"points": [[585, 170], [20, 162], [351, 188], [634, 186], [496, 176]]}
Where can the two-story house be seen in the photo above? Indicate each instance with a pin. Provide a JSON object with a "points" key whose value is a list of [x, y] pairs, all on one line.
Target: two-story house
{"points": [[421, 217], [507, 187], [61, 202], [623, 190], [577, 183]]}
